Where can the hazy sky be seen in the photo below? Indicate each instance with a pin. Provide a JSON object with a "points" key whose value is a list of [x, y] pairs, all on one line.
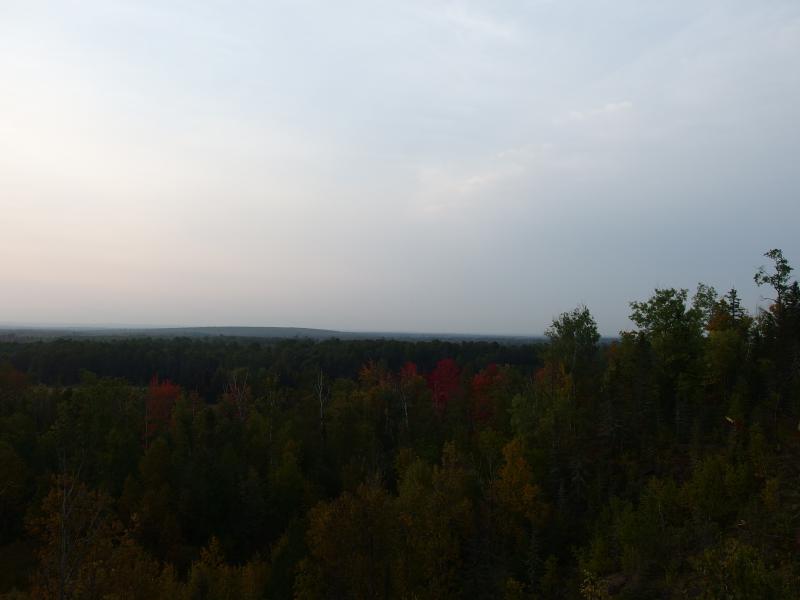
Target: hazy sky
{"points": [[375, 165]]}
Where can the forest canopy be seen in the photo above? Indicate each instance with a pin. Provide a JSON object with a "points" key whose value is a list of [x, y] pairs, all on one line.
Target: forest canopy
{"points": [[662, 464]]}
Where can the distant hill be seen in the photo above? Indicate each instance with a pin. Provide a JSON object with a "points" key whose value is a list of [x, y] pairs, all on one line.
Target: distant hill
{"points": [[239, 332], [264, 333], [170, 332]]}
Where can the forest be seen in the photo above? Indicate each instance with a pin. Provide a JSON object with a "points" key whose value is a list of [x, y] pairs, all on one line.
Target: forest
{"points": [[662, 464]]}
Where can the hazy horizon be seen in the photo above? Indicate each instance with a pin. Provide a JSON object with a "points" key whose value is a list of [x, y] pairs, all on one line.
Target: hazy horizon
{"points": [[447, 167], [44, 326]]}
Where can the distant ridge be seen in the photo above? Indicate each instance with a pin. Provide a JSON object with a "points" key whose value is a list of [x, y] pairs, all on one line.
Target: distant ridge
{"points": [[221, 331], [235, 331], [8, 333]]}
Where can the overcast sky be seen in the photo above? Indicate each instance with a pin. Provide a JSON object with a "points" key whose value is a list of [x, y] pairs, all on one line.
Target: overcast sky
{"points": [[411, 165]]}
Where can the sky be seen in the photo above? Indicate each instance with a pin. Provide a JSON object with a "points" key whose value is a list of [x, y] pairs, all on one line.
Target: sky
{"points": [[418, 165]]}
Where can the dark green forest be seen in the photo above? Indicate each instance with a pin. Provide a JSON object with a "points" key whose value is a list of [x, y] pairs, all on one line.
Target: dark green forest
{"points": [[662, 464]]}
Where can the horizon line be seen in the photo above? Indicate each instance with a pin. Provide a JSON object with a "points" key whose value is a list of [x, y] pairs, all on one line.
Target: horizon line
{"points": [[144, 327]]}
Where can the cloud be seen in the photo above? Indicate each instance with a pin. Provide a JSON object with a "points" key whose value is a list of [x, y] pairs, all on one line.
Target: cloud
{"points": [[478, 23], [610, 108]]}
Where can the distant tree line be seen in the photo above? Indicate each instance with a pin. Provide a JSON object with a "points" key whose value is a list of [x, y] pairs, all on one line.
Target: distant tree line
{"points": [[204, 364]]}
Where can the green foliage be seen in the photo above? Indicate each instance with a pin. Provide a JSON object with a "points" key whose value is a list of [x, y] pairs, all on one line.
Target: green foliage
{"points": [[736, 571], [351, 541], [673, 328], [210, 578], [779, 279], [573, 339]]}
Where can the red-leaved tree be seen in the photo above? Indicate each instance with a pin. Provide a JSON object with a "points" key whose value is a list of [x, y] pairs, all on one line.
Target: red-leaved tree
{"points": [[483, 385], [444, 382], [158, 404]]}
